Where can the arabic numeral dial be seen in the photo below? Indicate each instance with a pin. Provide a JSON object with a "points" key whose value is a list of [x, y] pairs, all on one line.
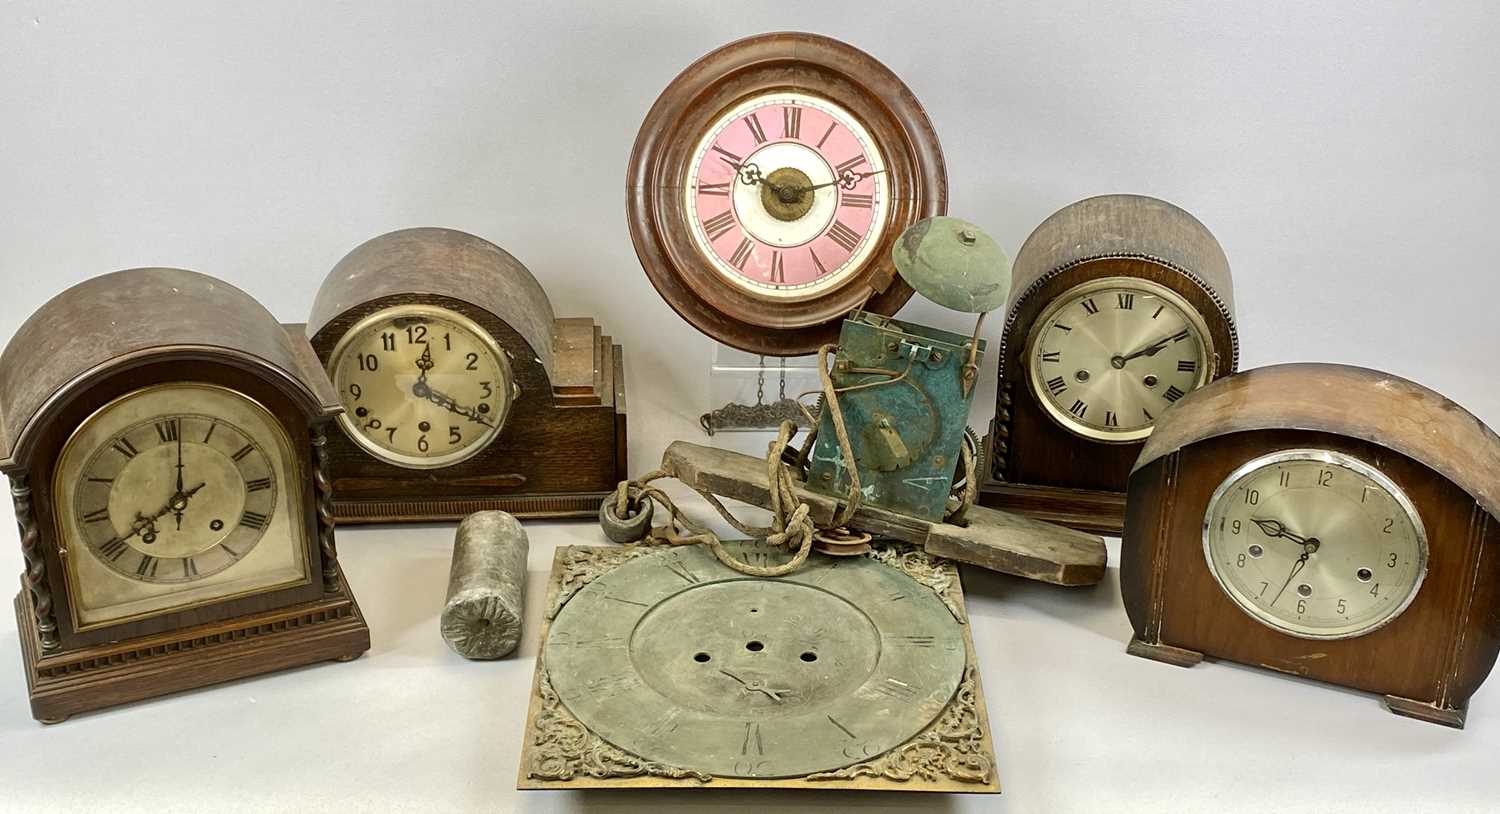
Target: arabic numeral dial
{"points": [[438, 392], [1315, 543]]}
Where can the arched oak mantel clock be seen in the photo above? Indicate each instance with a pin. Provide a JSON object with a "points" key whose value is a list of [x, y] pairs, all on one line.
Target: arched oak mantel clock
{"points": [[768, 184], [461, 391], [1326, 521], [1120, 305], [165, 441]]}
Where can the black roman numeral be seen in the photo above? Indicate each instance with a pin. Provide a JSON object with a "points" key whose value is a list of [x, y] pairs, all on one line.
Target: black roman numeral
{"points": [[843, 235], [167, 430], [254, 520], [243, 451], [1090, 306], [850, 164], [1062, 327], [1125, 301], [1190, 366], [1149, 416], [189, 568], [717, 225], [1052, 356], [1110, 419], [210, 433], [146, 567], [1157, 312], [97, 516], [721, 190], [114, 548], [816, 262], [1078, 408], [124, 447], [827, 133], [857, 201], [732, 159], [756, 131], [1057, 385], [1173, 394], [258, 484], [791, 122], [742, 254], [1179, 336]]}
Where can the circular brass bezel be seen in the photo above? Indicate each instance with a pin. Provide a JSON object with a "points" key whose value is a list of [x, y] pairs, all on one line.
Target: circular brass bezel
{"points": [[1034, 376], [1331, 458], [506, 392]]}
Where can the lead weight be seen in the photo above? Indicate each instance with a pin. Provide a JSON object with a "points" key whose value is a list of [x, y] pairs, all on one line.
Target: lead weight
{"points": [[486, 586]]}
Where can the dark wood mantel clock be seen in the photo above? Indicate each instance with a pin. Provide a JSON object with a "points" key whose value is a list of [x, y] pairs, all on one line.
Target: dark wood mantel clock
{"points": [[461, 391], [165, 441], [768, 184], [1120, 305], [1325, 521]]}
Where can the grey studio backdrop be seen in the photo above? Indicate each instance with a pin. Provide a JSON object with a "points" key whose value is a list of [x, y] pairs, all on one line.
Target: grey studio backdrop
{"points": [[1345, 154]]}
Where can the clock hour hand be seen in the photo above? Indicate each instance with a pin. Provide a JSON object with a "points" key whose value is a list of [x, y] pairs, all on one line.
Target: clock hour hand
{"points": [[424, 364], [1150, 350], [1276, 528], [146, 525]]}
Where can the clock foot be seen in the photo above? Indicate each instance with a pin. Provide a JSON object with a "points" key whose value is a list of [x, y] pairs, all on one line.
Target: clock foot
{"points": [[348, 657], [1177, 656], [1423, 711], [56, 720]]}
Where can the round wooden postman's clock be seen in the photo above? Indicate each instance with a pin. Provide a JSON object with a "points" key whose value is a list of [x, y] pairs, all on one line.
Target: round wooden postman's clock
{"points": [[1326, 521], [461, 391], [1120, 306], [768, 184], [164, 438]]}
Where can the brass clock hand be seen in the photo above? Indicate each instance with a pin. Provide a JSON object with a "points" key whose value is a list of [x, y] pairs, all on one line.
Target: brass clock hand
{"points": [[447, 402], [178, 512], [848, 179], [756, 686], [1152, 349], [424, 364], [176, 503]]}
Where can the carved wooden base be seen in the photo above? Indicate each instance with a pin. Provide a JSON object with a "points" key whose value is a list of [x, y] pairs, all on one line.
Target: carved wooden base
{"points": [[1424, 711], [1080, 509], [1176, 656], [440, 509], [65, 683]]}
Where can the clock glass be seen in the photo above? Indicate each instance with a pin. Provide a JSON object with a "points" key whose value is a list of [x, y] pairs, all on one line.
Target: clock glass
{"points": [[678, 659], [422, 386], [1315, 543], [179, 494], [786, 194], [1106, 357]]}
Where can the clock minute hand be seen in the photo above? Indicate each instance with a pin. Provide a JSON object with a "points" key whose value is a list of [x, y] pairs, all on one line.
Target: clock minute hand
{"points": [[178, 511], [446, 401], [756, 686], [1150, 350]]}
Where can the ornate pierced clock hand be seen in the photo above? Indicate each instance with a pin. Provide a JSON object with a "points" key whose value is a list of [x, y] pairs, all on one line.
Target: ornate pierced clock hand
{"points": [[178, 511], [142, 523], [447, 402], [424, 364]]}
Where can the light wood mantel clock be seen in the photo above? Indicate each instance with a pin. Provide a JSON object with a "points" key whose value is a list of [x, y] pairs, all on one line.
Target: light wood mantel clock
{"points": [[166, 444], [1326, 521], [768, 184]]}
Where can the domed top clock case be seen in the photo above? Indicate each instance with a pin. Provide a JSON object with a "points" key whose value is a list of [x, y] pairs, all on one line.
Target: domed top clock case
{"points": [[462, 392], [1321, 520], [164, 439], [768, 184], [1120, 305]]}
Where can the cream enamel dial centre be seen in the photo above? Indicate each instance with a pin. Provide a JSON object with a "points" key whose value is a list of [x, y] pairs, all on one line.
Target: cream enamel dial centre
{"points": [[1110, 355], [1315, 543], [422, 386]]}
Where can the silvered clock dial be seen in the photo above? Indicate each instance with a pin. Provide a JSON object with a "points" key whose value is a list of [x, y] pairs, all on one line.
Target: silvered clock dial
{"points": [[688, 666], [1315, 543], [1108, 356]]}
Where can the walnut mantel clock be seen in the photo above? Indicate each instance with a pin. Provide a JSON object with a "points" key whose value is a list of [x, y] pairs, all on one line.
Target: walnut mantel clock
{"points": [[1325, 521], [461, 391], [165, 440], [768, 184], [1120, 306]]}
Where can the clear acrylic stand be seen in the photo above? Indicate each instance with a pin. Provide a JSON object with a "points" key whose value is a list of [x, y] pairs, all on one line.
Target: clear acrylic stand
{"points": [[751, 395]]}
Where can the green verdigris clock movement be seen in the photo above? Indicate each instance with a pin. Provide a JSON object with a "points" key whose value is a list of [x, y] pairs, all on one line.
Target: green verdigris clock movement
{"points": [[662, 667]]}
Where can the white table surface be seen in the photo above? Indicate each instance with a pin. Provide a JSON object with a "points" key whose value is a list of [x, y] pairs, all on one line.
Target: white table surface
{"points": [[1078, 725]]}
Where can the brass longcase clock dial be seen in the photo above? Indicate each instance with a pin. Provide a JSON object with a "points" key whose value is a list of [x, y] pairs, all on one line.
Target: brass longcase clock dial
{"points": [[848, 668], [768, 184]]}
